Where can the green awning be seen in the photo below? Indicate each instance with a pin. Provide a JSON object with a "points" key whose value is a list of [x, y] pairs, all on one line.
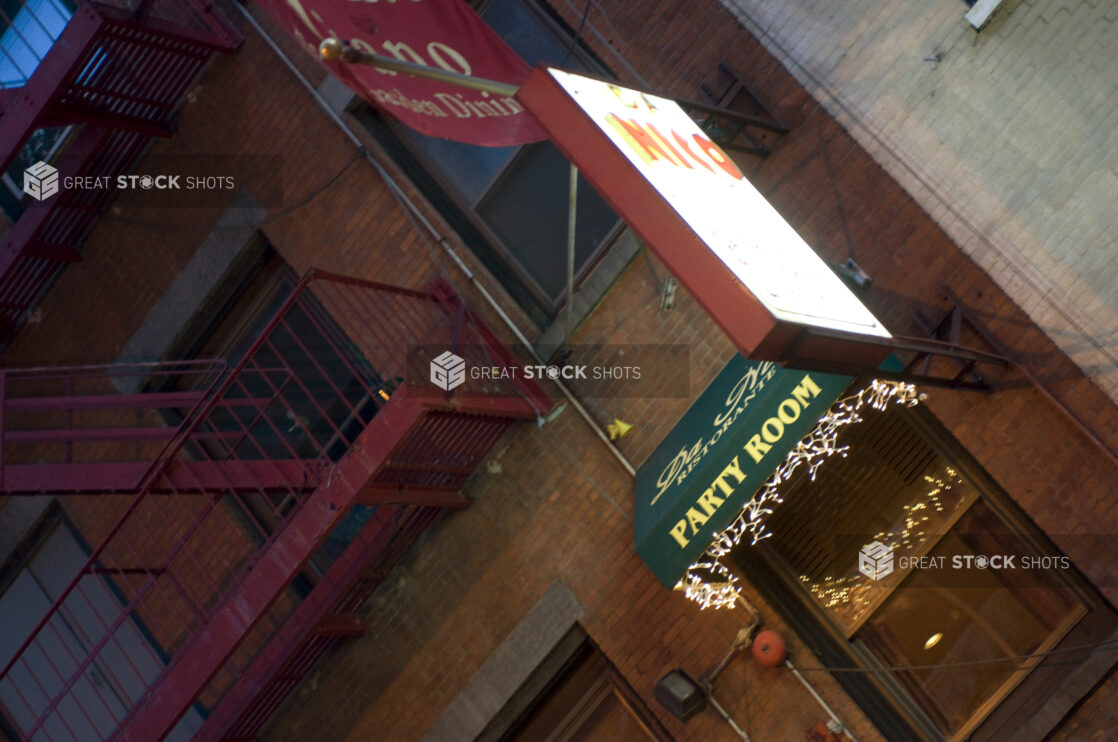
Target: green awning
{"points": [[719, 454]]}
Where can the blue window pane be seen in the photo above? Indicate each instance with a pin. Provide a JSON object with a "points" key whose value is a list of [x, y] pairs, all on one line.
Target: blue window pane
{"points": [[520, 28], [28, 38], [469, 168]]}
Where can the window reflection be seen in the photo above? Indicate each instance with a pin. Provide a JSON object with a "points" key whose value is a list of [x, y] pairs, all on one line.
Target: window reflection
{"points": [[521, 194], [892, 488], [945, 602], [977, 614]]}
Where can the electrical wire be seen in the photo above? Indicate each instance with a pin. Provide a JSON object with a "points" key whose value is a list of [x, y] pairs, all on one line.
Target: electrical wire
{"points": [[303, 201], [748, 694], [608, 43], [1110, 643], [578, 34]]}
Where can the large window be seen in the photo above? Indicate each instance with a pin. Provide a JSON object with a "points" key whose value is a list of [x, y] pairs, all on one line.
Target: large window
{"points": [[30, 28], [101, 693], [316, 392], [952, 597], [510, 204]]}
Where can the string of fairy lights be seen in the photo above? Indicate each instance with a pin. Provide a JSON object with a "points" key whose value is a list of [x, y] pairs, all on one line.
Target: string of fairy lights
{"points": [[852, 595], [708, 581]]}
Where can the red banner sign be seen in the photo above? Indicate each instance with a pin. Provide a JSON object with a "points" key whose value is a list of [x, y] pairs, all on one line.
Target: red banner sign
{"points": [[445, 34]]}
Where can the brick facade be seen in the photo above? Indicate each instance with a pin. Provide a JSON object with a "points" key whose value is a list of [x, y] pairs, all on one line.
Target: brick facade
{"points": [[1005, 136], [553, 505]]}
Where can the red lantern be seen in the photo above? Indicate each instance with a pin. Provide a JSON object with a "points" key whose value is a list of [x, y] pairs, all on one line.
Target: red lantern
{"points": [[768, 648]]}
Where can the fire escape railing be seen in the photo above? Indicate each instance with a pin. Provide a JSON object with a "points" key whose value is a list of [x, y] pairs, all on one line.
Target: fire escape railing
{"points": [[118, 74], [243, 514]]}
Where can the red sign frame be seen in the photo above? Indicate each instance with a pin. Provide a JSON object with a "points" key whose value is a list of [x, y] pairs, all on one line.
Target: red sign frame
{"points": [[753, 328]]}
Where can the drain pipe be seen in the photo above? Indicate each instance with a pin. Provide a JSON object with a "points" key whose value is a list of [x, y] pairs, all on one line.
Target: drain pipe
{"points": [[414, 213]]}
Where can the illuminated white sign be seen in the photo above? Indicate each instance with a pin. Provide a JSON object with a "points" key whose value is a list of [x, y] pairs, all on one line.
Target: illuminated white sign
{"points": [[708, 191]]}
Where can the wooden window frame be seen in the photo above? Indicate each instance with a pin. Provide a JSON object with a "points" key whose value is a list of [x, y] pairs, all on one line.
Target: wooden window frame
{"points": [[573, 654]]}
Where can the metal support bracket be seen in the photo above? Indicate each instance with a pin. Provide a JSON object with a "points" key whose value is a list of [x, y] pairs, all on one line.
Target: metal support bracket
{"points": [[918, 354], [734, 112], [949, 329]]}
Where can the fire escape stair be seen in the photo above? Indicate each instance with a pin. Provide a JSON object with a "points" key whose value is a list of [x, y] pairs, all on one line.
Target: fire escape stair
{"points": [[260, 506]]}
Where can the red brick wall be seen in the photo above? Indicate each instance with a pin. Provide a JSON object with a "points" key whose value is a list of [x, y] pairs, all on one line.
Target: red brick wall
{"points": [[844, 205], [561, 507], [1095, 719]]}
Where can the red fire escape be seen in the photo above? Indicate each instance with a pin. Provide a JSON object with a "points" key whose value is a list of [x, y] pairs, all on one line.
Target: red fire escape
{"points": [[117, 73], [236, 518]]}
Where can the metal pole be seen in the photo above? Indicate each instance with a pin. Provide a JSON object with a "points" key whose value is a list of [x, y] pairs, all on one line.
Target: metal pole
{"points": [[332, 50], [834, 717], [725, 715], [572, 209], [409, 206]]}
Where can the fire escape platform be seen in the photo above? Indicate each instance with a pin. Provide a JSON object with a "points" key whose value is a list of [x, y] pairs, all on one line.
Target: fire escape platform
{"points": [[253, 508], [118, 75], [278, 565]]}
